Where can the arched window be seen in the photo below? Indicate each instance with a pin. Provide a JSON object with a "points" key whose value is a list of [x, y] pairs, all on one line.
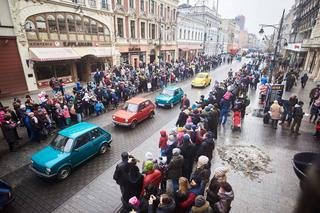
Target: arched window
{"points": [[93, 28], [52, 24], [62, 24], [86, 25], [71, 24], [100, 29], [79, 24], [30, 30], [41, 24]]}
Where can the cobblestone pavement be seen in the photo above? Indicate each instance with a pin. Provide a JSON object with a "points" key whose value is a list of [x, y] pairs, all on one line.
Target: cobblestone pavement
{"points": [[37, 195]]}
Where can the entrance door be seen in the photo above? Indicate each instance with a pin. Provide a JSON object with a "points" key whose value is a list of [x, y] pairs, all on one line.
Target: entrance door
{"points": [[79, 71]]}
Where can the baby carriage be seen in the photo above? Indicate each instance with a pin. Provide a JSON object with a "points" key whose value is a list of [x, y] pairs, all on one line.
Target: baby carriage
{"points": [[236, 126]]}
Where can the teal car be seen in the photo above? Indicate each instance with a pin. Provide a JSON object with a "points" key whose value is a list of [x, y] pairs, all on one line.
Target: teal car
{"points": [[69, 148], [169, 96]]}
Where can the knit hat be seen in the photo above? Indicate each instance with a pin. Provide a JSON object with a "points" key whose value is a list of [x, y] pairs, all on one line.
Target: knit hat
{"points": [[180, 129], [207, 108], [148, 166], [220, 171], [186, 137], [176, 151], [163, 133], [202, 160], [200, 201], [134, 201], [173, 131], [148, 156], [194, 127], [171, 140]]}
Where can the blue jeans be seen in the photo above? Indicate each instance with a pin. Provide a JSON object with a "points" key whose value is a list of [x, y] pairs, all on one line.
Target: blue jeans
{"points": [[223, 116], [79, 117]]}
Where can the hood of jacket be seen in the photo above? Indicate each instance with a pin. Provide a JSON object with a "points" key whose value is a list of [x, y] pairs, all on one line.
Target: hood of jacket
{"points": [[228, 196], [167, 208], [201, 209]]}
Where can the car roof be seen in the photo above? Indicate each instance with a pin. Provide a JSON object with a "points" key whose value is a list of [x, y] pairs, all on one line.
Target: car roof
{"points": [[171, 87], [77, 129], [136, 100]]}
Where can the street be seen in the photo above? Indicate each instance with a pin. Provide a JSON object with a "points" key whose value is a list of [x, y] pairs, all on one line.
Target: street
{"points": [[91, 188]]}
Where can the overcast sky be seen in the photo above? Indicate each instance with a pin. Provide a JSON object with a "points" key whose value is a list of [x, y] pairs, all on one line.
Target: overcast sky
{"points": [[256, 11]]}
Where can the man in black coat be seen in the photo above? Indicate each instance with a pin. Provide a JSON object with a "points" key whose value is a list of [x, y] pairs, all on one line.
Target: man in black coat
{"points": [[9, 130], [207, 146], [188, 151], [183, 116], [121, 174]]}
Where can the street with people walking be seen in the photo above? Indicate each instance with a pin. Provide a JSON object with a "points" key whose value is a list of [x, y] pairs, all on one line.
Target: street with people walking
{"points": [[159, 106]]}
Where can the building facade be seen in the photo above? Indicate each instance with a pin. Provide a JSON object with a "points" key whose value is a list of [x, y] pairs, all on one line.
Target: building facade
{"points": [[231, 31], [145, 30], [68, 39], [305, 14], [212, 22], [241, 21], [12, 79], [190, 34], [243, 39]]}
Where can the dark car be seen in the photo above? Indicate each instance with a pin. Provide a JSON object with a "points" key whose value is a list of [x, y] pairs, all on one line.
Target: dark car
{"points": [[6, 196]]}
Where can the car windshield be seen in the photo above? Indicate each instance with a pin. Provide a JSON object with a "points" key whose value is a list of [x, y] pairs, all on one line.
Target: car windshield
{"points": [[62, 143], [130, 107], [167, 92], [201, 75]]}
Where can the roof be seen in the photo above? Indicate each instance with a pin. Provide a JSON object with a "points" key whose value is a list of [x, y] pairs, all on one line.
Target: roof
{"points": [[77, 129], [136, 100], [171, 87]]}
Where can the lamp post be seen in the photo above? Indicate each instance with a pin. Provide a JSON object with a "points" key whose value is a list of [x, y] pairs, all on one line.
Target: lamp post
{"points": [[277, 43]]}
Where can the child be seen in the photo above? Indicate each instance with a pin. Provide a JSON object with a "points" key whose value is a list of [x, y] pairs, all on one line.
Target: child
{"points": [[98, 107], [66, 115], [163, 142]]}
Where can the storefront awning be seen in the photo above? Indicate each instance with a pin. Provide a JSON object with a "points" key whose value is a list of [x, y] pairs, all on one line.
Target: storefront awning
{"points": [[52, 54], [99, 52]]}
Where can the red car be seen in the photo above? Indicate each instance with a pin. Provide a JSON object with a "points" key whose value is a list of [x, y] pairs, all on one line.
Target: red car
{"points": [[134, 111]]}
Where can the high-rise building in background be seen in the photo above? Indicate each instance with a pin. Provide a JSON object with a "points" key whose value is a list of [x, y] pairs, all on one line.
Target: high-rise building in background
{"points": [[241, 21]]}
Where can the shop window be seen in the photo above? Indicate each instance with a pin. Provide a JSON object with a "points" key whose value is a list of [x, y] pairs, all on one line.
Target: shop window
{"points": [[30, 30], [79, 24], [62, 24], [132, 29], [71, 24], [120, 27], [62, 70], [143, 30]]}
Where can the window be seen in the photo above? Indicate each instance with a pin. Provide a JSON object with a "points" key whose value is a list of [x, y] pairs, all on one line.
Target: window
{"points": [[120, 27], [142, 5], [153, 31], [52, 24], [79, 24], [86, 26], [62, 24], [94, 29], [143, 30], [184, 34], [161, 10], [168, 12], [151, 3], [180, 34], [131, 3], [119, 2], [96, 133], [188, 34], [41, 24], [30, 26], [92, 3], [192, 35], [100, 29], [82, 140], [132, 29], [104, 4], [71, 24], [174, 14], [61, 143]]}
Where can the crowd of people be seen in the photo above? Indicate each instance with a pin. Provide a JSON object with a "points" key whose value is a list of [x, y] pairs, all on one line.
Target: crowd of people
{"points": [[61, 108], [179, 180]]}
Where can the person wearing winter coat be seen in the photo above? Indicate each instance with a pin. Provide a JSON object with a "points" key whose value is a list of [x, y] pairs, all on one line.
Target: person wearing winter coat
{"points": [[174, 171], [66, 115], [9, 132], [314, 111], [207, 146], [297, 118], [275, 112], [149, 190], [163, 142], [121, 174], [200, 177], [224, 110], [166, 205], [188, 152], [152, 176], [185, 103], [133, 185], [201, 205], [183, 197], [226, 196], [182, 119]]}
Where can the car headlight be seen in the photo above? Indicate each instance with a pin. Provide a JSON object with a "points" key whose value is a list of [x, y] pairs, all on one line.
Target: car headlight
{"points": [[126, 120], [48, 170], [113, 117]]}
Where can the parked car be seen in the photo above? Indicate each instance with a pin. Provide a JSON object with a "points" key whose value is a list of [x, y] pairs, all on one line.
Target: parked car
{"points": [[170, 96], [6, 196], [202, 79], [68, 149], [133, 112]]}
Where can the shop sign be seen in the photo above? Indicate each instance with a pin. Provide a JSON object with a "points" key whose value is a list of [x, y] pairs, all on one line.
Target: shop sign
{"points": [[77, 44], [64, 44], [134, 49]]}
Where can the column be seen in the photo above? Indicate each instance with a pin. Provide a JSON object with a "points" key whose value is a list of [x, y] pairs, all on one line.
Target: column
{"points": [[74, 73], [308, 60], [316, 68]]}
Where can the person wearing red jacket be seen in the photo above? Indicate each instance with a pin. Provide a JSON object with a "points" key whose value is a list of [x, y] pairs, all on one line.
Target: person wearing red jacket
{"points": [[163, 142], [152, 176]]}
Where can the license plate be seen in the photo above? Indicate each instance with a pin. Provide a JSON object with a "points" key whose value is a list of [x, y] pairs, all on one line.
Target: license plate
{"points": [[161, 104]]}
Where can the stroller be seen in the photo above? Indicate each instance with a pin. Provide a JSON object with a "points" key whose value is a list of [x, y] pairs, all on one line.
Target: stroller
{"points": [[236, 126]]}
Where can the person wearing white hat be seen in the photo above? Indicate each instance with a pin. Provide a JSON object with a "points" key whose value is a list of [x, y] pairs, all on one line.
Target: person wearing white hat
{"points": [[275, 112]]}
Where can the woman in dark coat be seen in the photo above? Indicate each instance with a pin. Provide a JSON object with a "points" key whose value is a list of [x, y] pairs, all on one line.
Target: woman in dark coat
{"points": [[133, 185], [9, 132], [183, 116]]}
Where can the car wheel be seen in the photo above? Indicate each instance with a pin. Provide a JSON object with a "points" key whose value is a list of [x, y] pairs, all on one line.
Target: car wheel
{"points": [[151, 114], [133, 124], [171, 105], [103, 148], [64, 173]]}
